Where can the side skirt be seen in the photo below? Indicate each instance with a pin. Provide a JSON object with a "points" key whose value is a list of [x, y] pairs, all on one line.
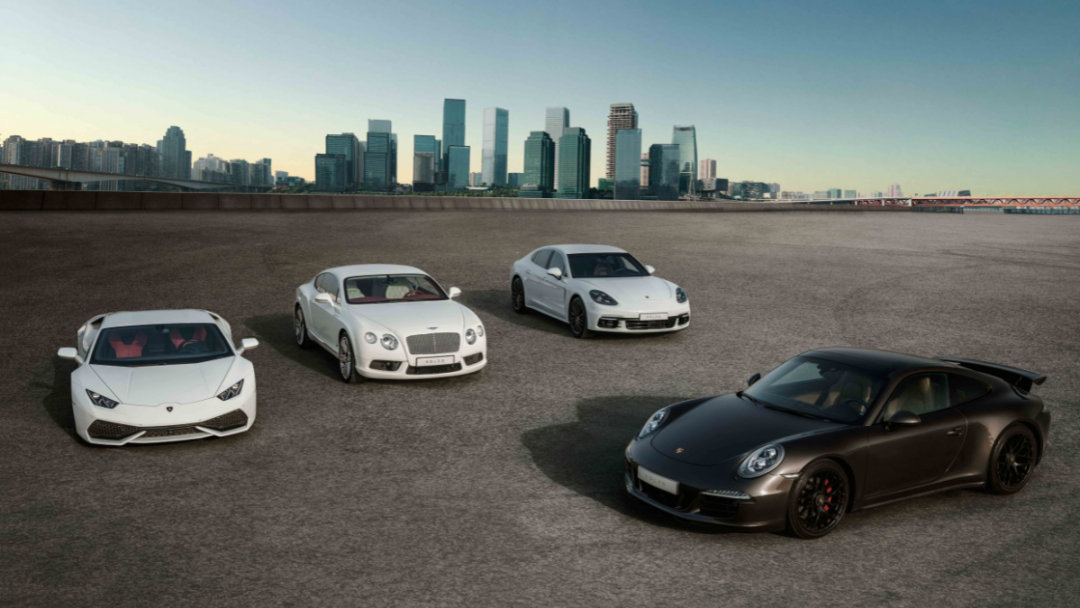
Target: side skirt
{"points": [[918, 494]]}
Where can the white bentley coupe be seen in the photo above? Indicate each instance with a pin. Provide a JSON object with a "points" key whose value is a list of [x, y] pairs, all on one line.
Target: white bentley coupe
{"points": [[597, 288], [160, 375], [390, 322]]}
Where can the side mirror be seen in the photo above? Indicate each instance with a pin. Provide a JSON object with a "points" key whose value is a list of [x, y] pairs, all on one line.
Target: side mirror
{"points": [[555, 272], [324, 298], [247, 344], [454, 292], [650, 269], [903, 418], [753, 378], [69, 353]]}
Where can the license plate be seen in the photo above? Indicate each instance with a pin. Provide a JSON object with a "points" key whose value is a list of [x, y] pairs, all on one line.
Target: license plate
{"points": [[426, 361], [657, 481], [653, 316]]}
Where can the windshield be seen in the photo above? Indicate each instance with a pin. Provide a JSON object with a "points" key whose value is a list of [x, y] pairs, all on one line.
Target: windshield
{"points": [[819, 388], [160, 344], [392, 288], [596, 265]]}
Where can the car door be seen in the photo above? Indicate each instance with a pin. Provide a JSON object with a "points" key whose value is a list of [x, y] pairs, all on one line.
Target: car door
{"points": [[552, 291], [535, 271], [324, 316], [904, 457]]}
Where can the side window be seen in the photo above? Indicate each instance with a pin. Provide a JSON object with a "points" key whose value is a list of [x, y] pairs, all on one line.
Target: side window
{"points": [[330, 284], [542, 257], [963, 389], [557, 261], [919, 395], [319, 282]]}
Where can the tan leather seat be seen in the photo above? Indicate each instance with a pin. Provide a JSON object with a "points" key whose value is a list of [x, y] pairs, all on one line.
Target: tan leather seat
{"points": [[917, 397]]}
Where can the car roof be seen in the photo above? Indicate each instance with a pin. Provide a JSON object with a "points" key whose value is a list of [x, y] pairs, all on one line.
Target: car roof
{"points": [[155, 317], [569, 249], [877, 360], [359, 270]]}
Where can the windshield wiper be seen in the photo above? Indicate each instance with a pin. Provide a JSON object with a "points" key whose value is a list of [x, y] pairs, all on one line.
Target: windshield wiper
{"points": [[798, 413], [752, 398]]}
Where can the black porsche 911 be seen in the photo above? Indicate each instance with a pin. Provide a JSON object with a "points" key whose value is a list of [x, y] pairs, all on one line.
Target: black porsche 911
{"points": [[835, 430]]}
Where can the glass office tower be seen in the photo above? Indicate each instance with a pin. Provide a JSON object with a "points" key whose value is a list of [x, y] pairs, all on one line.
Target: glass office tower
{"points": [[457, 163], [453, 128], [493, 155], [664, 171], [539, 178], [378, 170], [556, 122], [348, 145], [330, 172], [385, 126], [686, 139], [628, 164], [575, 156], [425, 151]]}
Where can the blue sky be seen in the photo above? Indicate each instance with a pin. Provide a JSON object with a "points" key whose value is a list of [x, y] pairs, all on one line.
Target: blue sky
{"points": [[855, 95]]}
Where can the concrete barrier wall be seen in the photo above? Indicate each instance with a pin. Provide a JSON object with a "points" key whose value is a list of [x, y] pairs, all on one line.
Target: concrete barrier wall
{"points": [[77, 200]]}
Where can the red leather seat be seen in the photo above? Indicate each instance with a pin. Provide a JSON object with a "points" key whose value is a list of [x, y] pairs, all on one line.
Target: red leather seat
{"points": [[129, 348], [177, 337]]}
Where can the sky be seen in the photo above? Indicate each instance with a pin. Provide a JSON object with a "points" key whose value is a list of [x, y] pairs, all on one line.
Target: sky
{"points": [[931, 94]]}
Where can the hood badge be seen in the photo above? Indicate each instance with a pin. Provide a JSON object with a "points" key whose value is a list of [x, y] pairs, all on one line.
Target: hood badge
{"points": [[679, 451], [168, 408]]}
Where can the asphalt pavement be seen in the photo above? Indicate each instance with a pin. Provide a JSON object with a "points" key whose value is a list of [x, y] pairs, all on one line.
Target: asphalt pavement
{"points": [[505, 487]]}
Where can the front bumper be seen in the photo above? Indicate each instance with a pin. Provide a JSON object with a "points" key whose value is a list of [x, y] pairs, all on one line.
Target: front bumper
{"points": [[468, 360], [622, 320]]}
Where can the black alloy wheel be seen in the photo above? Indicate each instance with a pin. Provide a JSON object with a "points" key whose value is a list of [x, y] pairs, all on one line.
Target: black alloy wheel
{"points": [[579, 319], [1012, 460], [517, 297], [818, 500], [300, 328]]}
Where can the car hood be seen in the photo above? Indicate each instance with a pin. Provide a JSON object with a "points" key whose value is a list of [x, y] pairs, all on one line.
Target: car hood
{"points": [[408, 318], [727, 427], [157, 384], [633, 289]]}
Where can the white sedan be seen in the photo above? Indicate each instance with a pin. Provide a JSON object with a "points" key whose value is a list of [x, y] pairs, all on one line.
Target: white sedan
{"points": [[388, 321], [160, 375], [597, 288]]}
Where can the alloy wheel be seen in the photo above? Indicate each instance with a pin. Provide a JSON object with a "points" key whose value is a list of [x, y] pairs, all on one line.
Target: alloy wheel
{"points": [[298, 326], [1015, 461], [345, 359], [517, 295], [821, 502], [578, 319]]}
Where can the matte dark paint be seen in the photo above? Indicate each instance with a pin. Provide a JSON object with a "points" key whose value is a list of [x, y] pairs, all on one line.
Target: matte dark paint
{"points": [[702, 442]]}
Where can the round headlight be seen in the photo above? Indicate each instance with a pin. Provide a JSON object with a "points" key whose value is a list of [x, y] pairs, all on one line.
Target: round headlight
{"points": [[761, 461], [654, 422], [470, 336], [370, 338], [480, 330], [389, 342]]}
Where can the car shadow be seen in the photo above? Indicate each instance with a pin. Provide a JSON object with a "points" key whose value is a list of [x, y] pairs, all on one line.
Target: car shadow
{"points": [[586, 455], [57, 402], [277, 331]]}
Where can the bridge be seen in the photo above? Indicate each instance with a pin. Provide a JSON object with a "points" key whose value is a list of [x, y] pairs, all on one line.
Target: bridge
{"points": [[994, 202], [68, 179]]}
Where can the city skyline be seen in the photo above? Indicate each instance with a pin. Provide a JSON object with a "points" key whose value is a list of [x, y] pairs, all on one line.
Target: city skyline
{"points": [[934, 109]]}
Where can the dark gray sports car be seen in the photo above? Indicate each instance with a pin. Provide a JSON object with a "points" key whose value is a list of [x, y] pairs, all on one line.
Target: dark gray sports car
{"points": [[835, 430]]}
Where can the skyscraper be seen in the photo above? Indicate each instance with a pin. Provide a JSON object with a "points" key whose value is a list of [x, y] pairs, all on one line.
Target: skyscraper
{"points": [[349, 145], [664, 171], [707, 169], [575, 156], [330, 172], [895, 192], [384, 126], [645, 170], [425, 153], [539, 178], [175, 159], [453, 128], [378, 170], [686, 139], [556, 122], [627, 164], [457, 168], [493, 154], [621, 116], [515, 180]]}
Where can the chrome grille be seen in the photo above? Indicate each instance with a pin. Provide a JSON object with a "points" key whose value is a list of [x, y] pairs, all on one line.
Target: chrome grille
{"points": [[434, 344]]}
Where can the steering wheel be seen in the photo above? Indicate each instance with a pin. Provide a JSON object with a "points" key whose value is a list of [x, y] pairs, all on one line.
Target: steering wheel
{"points": [[415, 292], [188, 343]]}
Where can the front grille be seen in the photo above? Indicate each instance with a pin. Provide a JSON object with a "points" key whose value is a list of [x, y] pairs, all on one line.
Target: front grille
{"points": [[665, 498], [638, 324], [101, 429], [232, 420], [434, 344], [474, 359], [719, 507], [172, 431], [433, 369]]}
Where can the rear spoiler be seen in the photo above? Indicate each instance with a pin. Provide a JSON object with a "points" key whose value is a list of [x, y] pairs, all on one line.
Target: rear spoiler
{"points": [[1021, 379]]}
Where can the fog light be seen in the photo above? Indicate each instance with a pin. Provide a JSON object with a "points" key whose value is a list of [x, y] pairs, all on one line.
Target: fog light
{"points": [[733, 494]]}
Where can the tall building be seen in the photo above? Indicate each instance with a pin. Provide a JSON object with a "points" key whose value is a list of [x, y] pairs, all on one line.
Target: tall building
{"points": [[425, 163], [621, 116], [457, 168], [686, 139], [575, 157], [515, 180], [895, 192], [539, 178], [628, 164], [556, 122], [664, 174], [850, 194], [384, 126], [835, 192], [453, 127], [493, 154], [175, 159], [241, 171], [645, 170], [378, 162], [476, 178], [707, 169], [330, 172], [349, 145]]}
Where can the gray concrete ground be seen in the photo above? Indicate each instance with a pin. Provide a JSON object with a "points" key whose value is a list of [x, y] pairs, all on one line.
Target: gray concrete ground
{"points": [[504, 488]]}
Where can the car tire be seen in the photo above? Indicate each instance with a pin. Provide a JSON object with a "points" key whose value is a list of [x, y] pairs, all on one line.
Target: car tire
{"points": [[1012, 461], [578, 318], [818, 500], [303, 340], [347, 361], [517, 297]]}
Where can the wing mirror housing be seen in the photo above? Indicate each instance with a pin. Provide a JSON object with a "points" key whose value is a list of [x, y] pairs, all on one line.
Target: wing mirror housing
{"points": [[650, 269], [69, 353], [324, 298], [247, 344], [903, 418], [753, 378], [555, 272], [454, 292]]}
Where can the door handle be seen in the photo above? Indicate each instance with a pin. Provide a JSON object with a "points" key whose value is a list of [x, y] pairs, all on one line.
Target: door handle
{"points": [[958, 430]]}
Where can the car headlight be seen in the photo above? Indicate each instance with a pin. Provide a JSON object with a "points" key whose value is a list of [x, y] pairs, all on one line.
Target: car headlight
{"points": [[389, 342], [470, 336], [602, 298], [761, 461], [680, 295], [232, 391], [654, 422], [101, 400], [480, 330], [370, 338]]}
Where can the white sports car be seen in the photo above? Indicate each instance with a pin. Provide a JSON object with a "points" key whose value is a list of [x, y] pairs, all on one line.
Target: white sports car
{"points": [[160, 375], [388, 321], [597, 288]]}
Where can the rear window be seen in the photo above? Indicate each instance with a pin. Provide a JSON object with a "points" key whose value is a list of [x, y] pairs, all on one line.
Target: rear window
{"points": [[963, 389], [163, 344]]}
